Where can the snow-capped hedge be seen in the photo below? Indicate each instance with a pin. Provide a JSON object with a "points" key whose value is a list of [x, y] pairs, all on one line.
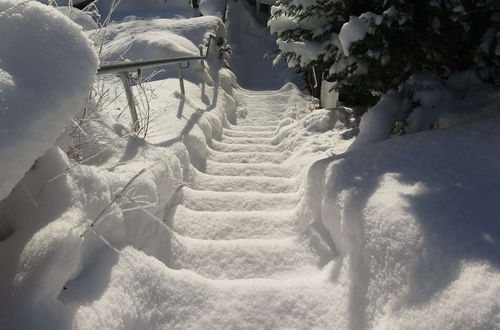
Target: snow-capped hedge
{"points": [[47, 67]]}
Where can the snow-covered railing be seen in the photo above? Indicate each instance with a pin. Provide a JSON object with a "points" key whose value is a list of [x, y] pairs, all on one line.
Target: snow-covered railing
{"points": [[124, 68]]}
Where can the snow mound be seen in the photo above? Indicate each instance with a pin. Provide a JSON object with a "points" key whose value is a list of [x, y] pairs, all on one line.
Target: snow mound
{"points": [[376, 124], [416, 216], [40, 91], [160, 38], [424, 102], [156, 38], [148, 45], [195, 29]]}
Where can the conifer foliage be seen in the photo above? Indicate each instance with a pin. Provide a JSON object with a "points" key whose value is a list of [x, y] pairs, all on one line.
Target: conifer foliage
{"points": [[370, 47]]}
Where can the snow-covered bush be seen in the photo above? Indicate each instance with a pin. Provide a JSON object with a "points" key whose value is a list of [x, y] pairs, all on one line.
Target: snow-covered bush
{"points": [[372, 47], [40, 91]]}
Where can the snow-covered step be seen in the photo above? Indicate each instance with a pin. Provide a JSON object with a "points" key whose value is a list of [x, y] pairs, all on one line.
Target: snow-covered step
{"points": [[194, 302], [246, 140], [203, 200], [246, 258], [253, 128], [231, 147], [247, 157], [233, 225], [203, 181], [249, 134], [236, 169]]}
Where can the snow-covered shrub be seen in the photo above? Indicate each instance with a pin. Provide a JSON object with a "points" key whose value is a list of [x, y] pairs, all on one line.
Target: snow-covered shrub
{"points": [[372, 47], [40, 91], [405, 38]]}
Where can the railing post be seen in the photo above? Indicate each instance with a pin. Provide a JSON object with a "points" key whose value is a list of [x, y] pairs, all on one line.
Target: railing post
{"points": [[314, 77], [122, 68], [181, 79], [130, 99], [201, 54]]}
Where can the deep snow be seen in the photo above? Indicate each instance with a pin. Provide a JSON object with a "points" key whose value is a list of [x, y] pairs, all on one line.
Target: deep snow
{"points": [[41, 91], [215, 218], [419, 224]]}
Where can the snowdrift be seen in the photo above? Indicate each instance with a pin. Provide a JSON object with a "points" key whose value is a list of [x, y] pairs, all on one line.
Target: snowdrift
{"points": [[40, 91], [408, 227], [50, 254], [160, 38], [416, 218]]}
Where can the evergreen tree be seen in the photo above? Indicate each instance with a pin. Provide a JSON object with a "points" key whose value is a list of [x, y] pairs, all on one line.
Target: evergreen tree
{"points": [[374, 46]]}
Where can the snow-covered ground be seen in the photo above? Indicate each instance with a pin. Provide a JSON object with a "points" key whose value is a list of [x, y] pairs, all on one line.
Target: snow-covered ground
{"points": [[232, 207]]}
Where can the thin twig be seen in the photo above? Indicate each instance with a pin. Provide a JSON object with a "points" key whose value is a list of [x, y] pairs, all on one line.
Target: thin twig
{"points": [[119, 195]]}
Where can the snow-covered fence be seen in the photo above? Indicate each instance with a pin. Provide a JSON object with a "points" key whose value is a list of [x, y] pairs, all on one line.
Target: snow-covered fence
{"points": [[125, 67]]}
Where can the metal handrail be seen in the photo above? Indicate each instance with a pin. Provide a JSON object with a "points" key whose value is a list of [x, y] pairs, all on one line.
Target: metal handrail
{"points": [[124, 67], [127, 66], [119, 67]]}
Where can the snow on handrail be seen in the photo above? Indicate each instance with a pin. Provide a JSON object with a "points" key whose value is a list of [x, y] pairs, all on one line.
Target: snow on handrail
{"points": [[124, 67], [119, 67], [127, 66]]}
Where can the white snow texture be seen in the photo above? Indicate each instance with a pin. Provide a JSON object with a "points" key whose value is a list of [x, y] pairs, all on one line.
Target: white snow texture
{"points": [[41, 91], [233, 208]]}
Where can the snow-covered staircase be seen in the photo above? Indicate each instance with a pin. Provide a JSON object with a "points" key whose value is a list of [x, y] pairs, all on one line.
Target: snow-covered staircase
{"points": [[236, 225]]}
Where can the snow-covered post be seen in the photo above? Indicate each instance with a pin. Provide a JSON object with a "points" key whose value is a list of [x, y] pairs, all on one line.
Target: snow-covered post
{"points": [[181, 79], [328, 95], [313, 83], [200, 47], [257, 9], [130, 99]]}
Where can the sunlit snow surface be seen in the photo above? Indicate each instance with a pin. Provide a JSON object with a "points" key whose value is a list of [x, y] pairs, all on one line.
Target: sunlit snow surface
{"points": [[226, 224], [40, 91], [418, 217]]}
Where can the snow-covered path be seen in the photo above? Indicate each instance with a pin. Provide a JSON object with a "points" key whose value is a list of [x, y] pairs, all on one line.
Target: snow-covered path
{"points": [[237, 224], [233, 208]]}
